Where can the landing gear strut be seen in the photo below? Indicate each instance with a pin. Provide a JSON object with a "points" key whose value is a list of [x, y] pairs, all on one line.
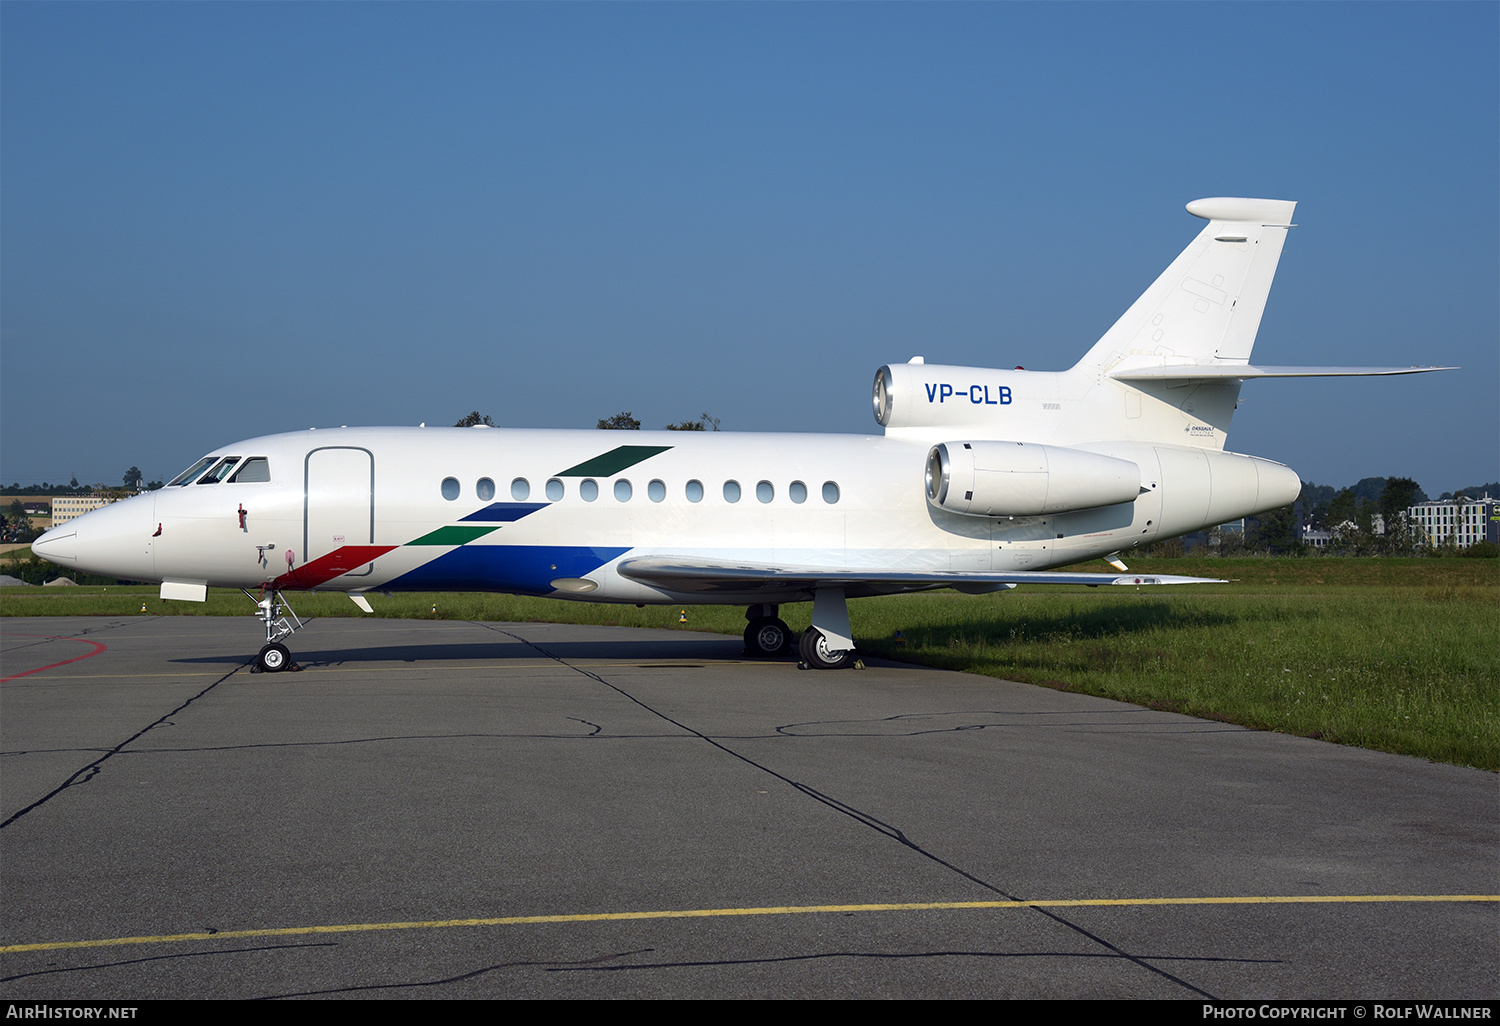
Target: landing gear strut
{"points": [[766, 634], [275, 657]]}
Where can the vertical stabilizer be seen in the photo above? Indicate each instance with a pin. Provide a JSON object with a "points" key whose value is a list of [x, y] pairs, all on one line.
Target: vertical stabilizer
{"points": [[1206, 307]]}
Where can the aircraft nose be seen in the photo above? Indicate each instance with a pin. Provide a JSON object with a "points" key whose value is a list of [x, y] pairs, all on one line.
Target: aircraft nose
{"points": [[114, 540], [58, 544]]}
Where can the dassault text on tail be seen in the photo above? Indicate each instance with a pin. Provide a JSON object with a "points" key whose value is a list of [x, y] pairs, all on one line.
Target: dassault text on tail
{"points": [[982, 480]]}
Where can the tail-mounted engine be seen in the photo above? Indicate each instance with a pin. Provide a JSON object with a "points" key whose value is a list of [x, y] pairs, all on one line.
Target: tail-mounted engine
{"points": [[1023, 479], [916, 395]]}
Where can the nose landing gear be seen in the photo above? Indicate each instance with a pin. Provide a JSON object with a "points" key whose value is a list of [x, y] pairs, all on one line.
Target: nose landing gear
{"points": [[275, 657]]}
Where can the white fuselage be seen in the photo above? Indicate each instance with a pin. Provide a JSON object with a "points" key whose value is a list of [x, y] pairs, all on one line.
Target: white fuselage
{"points": [[377, 496]]}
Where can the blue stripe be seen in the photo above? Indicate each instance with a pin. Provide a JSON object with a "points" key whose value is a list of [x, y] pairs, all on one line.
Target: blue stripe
{"points": [[506, 512], [521, 569]]}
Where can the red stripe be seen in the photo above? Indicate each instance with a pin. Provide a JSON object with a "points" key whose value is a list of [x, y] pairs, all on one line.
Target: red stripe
{"points": [[53, 637], [325, 568]]}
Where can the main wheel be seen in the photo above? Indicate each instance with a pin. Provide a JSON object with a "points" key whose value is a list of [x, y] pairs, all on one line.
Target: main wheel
{"points": [[816, 653], [767, 636], [273, 658]]}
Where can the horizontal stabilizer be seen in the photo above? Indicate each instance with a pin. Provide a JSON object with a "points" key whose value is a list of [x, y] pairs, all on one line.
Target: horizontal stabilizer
{"points": [[687, 574], [1245, 372]]}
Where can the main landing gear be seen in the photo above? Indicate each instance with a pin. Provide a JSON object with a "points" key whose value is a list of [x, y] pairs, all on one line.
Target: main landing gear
{"points": [[275, 657], [826, 645], [817, 655], [766, 635]]}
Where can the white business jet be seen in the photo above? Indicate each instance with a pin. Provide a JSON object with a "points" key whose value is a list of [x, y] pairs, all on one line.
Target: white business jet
{"points": [[982, 480]]}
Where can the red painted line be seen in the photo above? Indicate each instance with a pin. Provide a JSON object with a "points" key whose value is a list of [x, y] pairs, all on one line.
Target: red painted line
{"points": [[98, 647], [325, 568]]}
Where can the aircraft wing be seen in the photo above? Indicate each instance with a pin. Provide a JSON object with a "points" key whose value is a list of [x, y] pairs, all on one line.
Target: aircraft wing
{"points": [[691, 574], [1245, 372]]}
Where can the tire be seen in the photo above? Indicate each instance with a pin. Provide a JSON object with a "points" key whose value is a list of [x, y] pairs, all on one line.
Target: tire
{"points": [[273, 658], [767, 636], [817, 655]]}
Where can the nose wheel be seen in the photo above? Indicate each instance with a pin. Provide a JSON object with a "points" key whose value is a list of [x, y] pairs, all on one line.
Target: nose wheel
{"points": [[275, 657]]}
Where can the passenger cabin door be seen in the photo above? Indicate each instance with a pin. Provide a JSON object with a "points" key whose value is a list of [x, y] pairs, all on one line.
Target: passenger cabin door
{"points": [[338, 502]]}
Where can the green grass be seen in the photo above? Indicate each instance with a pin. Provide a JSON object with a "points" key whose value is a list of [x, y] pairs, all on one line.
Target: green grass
{"points": [[1399, 655]]}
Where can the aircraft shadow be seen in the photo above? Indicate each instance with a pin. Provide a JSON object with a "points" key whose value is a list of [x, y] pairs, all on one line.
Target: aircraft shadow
{"points": [[501, 651], [1017, 628]]}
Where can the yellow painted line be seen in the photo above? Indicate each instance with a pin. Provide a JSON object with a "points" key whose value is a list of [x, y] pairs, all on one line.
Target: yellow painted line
{"points": [[773, 910]]}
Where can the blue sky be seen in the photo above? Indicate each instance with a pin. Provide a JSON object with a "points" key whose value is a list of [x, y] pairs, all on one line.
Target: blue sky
{"points": [[225, 220]]}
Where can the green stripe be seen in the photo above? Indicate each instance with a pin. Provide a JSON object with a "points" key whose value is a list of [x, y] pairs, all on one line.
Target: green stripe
{"points": [[453, 535], [614, 461]]}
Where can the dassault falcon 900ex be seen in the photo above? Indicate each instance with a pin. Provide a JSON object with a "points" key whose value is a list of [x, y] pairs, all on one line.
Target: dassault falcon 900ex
{"points": [[982, 480]]}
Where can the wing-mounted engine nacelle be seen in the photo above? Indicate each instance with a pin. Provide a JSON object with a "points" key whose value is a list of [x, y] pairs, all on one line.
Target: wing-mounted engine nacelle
{"points": [[1024, 479], [922, 395]]}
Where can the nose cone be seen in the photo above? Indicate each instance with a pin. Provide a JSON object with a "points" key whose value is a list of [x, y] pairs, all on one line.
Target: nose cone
{"points": [[114, 540], [58, 545]]}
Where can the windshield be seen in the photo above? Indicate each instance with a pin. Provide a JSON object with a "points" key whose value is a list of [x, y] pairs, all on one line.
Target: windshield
{"points": [[219, 472], [191, 473]]}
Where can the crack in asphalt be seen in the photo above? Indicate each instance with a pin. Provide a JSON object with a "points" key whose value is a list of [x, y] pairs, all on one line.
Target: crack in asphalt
{"points": [[860, 816]]}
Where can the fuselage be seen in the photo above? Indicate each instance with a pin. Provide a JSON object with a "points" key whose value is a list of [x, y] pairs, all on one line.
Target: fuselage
{"points": [[552, 513]]}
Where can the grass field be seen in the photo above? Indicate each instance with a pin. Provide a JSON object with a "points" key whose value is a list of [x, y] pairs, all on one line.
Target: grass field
{"points": [[1400, 655]]}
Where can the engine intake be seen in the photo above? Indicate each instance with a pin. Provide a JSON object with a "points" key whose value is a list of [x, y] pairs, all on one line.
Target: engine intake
{"points": [[1024, 479]]}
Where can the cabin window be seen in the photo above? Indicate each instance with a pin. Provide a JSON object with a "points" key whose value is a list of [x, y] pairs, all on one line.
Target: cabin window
{"points": [[589, 489], [656, 491], [190, 475], [554, 489], [694, 491], [485, 489], [798, 491], [622, 490], [731, 491], [765, 491], [255, 470], [830, 492], [520, 489], [219, 472], [450, 488]]}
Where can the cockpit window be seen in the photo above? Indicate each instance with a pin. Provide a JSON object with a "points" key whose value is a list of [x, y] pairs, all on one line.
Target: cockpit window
{"points": [[189, 475], [220, 472], [253, 471]]}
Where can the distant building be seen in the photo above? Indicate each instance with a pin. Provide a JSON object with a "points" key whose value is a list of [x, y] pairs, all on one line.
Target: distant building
{"points": [[1316, 537], [66, 507], [1461, 524]]}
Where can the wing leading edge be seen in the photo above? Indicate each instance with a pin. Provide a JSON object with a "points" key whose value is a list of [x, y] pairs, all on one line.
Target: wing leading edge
{"points": [[692, 575]]}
